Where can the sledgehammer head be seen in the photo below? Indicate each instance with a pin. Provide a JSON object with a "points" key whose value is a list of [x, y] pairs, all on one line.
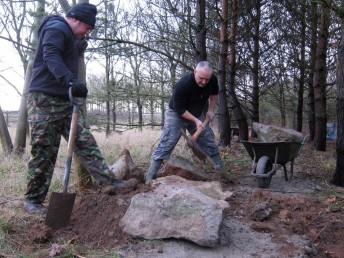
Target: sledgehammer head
{"points": [[196, 149]]}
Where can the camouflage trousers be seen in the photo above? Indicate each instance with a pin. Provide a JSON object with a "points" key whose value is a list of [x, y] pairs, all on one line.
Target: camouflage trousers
{"points": [[49, 119]]}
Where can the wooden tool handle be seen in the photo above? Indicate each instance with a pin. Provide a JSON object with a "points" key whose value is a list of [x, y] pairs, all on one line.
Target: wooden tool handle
{"points": [[199, 131], [73, 131], [70, 146]]}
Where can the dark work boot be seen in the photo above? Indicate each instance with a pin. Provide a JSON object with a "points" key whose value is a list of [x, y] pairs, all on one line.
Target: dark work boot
{"points": [[152, 170]]}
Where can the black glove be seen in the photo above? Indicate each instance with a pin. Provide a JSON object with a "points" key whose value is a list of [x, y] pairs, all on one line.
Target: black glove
{"points": [[81, 45], [78, 88]]}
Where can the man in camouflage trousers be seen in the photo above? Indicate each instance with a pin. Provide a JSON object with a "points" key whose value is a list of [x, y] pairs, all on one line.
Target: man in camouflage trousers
{"points": [[61, 42]]}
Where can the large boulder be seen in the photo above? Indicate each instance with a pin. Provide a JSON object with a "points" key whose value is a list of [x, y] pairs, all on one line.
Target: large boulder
{"points": [[178, 208], [271, 133]]}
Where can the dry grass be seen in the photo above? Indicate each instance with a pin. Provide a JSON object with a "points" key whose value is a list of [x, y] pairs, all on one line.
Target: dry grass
{"points": [[139, 143]]}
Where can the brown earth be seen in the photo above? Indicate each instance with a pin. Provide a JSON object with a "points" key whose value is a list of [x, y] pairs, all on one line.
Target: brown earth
{"points": [[306, 206]]}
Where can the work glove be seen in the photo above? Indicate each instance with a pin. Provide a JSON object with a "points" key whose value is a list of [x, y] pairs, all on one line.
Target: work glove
{"points": [[79, 89], [81, 45]]}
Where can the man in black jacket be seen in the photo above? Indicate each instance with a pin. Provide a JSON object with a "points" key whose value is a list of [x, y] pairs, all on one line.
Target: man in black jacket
{"points": [[55, 69], [192, 95]]}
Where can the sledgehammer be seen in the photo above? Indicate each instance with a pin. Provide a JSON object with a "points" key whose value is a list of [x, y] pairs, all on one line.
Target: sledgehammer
{"points": [[191, 141]]}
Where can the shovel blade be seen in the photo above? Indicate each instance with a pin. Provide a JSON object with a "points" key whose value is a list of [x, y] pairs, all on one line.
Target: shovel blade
{"points": [[59, 209]]}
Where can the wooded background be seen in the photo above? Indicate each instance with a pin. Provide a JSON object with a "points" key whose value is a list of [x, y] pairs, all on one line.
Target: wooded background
{"points": [[276, 60]]}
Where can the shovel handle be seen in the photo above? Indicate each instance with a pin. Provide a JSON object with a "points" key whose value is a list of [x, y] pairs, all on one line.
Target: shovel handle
{"points": [[70, 146], [199, 131], [71, 139]]}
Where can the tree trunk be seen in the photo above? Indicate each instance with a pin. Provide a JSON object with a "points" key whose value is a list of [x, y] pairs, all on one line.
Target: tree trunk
{"points": [[20, 136], [282, 106], [151, 109], [130, 120], [22, 125], [162, 105], [140, 111], [108, 98], [239, 114], [299, 112], [114, 115], [255, 68], [223, 113], [5, 138], [84, 179], [311, 107], [107, 72], [319, 81], [338, 176], [201, 31]]}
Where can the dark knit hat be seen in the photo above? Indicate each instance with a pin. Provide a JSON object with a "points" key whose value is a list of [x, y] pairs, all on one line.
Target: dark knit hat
{"points": [[84, 12]]}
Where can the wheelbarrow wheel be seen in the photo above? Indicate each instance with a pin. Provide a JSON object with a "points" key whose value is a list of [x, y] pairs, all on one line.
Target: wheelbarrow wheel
{"points": [[264, 166]]}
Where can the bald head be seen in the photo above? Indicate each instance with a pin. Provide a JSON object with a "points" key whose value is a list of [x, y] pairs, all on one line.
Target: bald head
{"points": [[203, 73], [204, 65]]}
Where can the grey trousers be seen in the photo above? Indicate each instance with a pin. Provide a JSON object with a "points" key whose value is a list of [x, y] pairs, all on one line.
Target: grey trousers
{"points": [[171, 134]]}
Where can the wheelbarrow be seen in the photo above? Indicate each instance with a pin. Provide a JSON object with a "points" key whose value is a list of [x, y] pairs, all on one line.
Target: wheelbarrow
{"points": [[268, 157]]}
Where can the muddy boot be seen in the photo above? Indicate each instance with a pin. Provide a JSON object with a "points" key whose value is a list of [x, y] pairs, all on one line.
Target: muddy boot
{"points": [[152, 170], [120, 186]]}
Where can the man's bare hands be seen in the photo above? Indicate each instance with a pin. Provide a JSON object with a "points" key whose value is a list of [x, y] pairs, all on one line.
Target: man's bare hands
{"points": [[199, 125]]}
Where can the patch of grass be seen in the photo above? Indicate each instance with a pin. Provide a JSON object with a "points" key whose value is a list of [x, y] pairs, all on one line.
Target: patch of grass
{"points": [[67, 250], [139, 143], [329, 167], [5, 226], [12, 174], [102, 254], [6, 246]]}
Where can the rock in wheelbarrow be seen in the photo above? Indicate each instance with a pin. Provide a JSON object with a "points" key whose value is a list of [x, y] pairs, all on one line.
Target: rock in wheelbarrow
{"points": [[120, 186]]}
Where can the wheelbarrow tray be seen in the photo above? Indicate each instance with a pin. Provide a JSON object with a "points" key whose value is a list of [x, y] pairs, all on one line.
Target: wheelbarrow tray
{"points": [[287, 151]]}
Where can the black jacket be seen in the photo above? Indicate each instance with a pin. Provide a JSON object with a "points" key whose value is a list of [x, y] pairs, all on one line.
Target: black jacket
{"points": [[56, 60], [187, 95]]}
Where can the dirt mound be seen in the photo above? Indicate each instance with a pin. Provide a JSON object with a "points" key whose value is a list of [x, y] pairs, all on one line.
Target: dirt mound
{"points": [[96, 217]]}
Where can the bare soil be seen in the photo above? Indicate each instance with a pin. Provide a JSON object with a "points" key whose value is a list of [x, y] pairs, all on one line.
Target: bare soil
{"points": [[305, 219]]}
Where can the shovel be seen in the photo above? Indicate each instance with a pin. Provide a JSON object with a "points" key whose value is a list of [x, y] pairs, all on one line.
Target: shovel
{"points": [[193, 145], [61, 204]]}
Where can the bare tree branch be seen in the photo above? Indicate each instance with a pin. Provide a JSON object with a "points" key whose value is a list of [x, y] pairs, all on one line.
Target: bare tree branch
{"points": [[11, 84]]}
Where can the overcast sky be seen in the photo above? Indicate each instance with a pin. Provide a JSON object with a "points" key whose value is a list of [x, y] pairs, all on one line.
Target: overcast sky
{"points": [[12, 69]]}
